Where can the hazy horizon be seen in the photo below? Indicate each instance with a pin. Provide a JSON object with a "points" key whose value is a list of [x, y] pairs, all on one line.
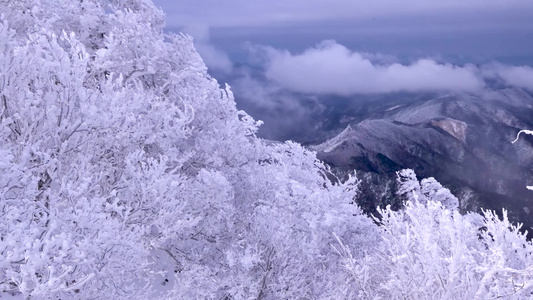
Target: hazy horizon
{"points": [[280, 57]]}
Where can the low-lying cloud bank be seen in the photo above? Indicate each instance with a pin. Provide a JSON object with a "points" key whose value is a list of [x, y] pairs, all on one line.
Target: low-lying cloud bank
{"points": [[518, 76], [331, 68], [213, 57], [291, 91]]}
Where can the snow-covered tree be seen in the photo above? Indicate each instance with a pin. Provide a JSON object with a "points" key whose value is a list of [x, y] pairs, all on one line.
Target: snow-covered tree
{"points": [[126, 167], [432, 189], [408, 186], [430, 252], [126, 172], [411, 190]]}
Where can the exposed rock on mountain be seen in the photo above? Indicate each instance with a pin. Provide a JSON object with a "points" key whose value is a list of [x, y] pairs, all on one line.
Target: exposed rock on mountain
{"points": [[455, 128], [464, 141]]}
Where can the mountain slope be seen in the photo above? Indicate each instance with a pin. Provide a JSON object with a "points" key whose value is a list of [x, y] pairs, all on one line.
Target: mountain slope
{"points": [[464, 141]]}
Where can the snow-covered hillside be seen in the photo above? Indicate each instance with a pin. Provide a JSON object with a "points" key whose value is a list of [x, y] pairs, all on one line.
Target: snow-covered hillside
{"points": [[126, 173], [462, 140]]}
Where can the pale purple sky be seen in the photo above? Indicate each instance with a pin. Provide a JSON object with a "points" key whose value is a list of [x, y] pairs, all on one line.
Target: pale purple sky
{"points": [[239, 13], [275, 52], [330, 47], [465, 29], [295, 38]]}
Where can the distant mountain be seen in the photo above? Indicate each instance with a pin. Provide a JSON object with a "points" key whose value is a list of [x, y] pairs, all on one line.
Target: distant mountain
{"points": [[462, 140]]}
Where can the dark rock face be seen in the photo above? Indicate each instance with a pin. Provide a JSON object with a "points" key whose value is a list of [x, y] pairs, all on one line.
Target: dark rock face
{"points": [[464, 141]]}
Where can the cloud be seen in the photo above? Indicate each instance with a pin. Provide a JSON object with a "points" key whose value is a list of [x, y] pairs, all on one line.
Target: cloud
{"points": [[331, 68], [518, 76], [214, 58], [286, 115], [465, 28]]}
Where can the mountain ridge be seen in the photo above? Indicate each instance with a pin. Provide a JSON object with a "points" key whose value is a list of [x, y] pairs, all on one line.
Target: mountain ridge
{"points": [[462, 140]]}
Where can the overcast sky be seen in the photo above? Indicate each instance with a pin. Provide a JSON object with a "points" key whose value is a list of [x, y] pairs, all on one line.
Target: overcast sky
{"points": [[274, 51], [238, 13], [506, 25], [455, 31]]}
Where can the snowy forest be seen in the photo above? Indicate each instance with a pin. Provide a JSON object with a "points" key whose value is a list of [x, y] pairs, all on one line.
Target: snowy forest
{"points": [[126, 172]]}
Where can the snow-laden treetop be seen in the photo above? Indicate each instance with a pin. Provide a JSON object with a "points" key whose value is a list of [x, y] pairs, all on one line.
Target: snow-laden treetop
{"points": [[127, 173]]}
